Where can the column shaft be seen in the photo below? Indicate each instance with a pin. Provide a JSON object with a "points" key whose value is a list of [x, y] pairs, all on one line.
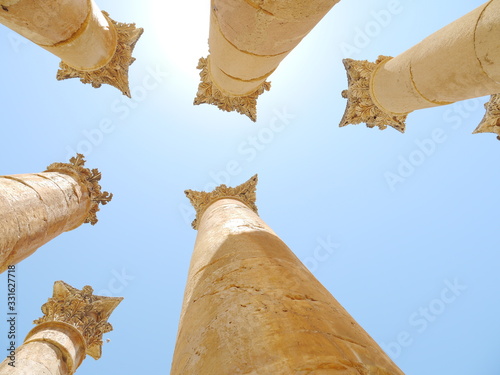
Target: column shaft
{"points": [[251, 307], [91, 45], [72, 327], [35, 208], [458, 62], [48, 360], [50, 349], [40, 21], [247, 42], [74, 30]]}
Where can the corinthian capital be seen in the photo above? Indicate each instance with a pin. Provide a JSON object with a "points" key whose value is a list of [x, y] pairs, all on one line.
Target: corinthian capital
{"points": [[491, 120], [115, 72], [209, 93], [360, 104], [90, 178], [244, 193], [81, 309]]}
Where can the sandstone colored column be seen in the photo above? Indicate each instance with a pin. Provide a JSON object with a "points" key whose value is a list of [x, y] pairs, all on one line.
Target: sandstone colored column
{"points": [[248, 40], [72, 327], [491, 120], [38, 207], [251, 307], [92, 46], [458, 62]]}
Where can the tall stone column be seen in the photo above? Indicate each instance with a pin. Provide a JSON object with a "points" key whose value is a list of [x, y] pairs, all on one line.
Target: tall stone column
{"points": [[72, 327], [458, 62], [251, 307], [92, 46], [248, 40], [38, 207]]}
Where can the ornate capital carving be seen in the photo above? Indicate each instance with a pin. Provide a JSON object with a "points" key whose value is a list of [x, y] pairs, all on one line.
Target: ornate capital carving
{"points": [[90, 178], [360, 105], [491, 120], [244, 193], [83, 310], [210, 94], [114, 73]]}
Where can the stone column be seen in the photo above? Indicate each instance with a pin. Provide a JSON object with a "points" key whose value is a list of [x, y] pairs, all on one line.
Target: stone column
{"points": [[458, 62], [248, 40], [40, 206], [251, 307], [72, 327], [491, 120], [92, 46]]}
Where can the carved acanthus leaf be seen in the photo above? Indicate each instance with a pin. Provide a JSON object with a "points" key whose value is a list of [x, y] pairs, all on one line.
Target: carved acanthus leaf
{"points": [[210, 94], [491, 120], [244, 193], [360, 106], [114, 73], [83, 310], [90, 178]]}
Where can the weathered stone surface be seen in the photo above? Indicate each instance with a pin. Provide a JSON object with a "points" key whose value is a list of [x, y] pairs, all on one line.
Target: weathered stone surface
{"points": [[42, 21], [460, 61], [83, 310], [248, 40], [72, 326], [90, 178], [92, 46], [360, 105], [491, 120], [38, 207], [251, 307], [210, 93], [115, 71], [245, 193]]}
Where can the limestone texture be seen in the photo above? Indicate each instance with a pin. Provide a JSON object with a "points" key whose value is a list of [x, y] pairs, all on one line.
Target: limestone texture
{"points": [[248, 40], [91, 45], [460, 61], [72, 327], [491, 120], [38, 207], [251, 307]]}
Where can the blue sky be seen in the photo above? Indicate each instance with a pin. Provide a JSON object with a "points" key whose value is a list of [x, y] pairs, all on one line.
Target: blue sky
{"points": [[414, 262]]}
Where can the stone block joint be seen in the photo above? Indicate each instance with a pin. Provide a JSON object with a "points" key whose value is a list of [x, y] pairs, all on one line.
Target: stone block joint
{"points": [[360, 105], [89, 178], [115, 72], [244, 193], [83, 310], [209, 93]]}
